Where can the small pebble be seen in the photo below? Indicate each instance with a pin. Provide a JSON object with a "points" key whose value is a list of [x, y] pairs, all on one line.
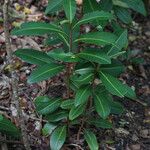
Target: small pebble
{"points": [[136, 147]]}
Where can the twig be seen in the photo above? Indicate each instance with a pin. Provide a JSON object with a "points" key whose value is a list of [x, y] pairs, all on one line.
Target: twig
{"points": [[76, 145], [140, 102], [4, 108], [80, 129], [14, 82]]}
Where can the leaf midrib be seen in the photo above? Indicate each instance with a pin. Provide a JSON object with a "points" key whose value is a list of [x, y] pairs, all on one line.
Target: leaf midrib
{"points": [[43, 28], [100, 104], [111, 84], [49, 105], [81, 80], [95, 39], [74, 114], [91, 140], [47, 71], [42, 59], [87, 19], [84, 91], [59, 137], [115, 43], [99, 57]]}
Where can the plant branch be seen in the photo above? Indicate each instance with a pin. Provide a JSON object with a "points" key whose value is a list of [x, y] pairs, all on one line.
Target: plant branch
{"points": [[14, 82], [80, 129]]}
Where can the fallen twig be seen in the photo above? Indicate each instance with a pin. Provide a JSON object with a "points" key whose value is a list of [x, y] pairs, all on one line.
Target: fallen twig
{"points": [[76, 145], [14, 82]]}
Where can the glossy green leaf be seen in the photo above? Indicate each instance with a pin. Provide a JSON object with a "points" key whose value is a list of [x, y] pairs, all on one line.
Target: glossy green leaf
{"points": [[98, 38], [70, 9], [120, 42], [45, 105], [101, 103], [82, 71], [33, 56], [114, 69], [91, 140], [83, 79], [53, 5], [113, 85], [45, 72], [95, 55], [48, 129], [60, 55], [8, 128], [116, 108], [101, 123], [52, 41], [36, 28], [123, 14], [76, 112], [136, 5], [130, 93], [58, 138], [120, 3], [67, 104], [64, 39], [90, 6], [82, 95], [57, 116], [96, 15], [106, 5]]}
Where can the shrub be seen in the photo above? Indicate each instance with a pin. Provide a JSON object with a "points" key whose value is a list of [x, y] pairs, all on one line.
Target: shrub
{"points": [[90, 62]]}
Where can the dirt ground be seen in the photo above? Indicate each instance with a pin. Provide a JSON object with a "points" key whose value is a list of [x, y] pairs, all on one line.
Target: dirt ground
{"points": [[131, 129]]}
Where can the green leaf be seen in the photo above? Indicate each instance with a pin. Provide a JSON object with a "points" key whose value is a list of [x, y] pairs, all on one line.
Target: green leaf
{"points": [[114, 69], [76, 111], [106, 5], [123, 14], [60, 55], [96, 15], [136, 5], [98, 38], [116, 108], [48, 129], [120, 3], [82, 95], [130, 93], [90, 6], [83, 79], [67, 104], [58, 138], [52, 41], [36, 28], [101, 103], [95, 55], [8, 128], [120, 42], [45, 72], [82, 71], [84, 67], [64, 39], [33, 56], [70, 9], [57, 116], [91, 140], [113, 85], [45, 105], [53, 5], [101, 123]]}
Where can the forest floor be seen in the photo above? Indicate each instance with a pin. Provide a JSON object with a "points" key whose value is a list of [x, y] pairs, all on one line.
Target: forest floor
{"points": [[131, 129]]}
